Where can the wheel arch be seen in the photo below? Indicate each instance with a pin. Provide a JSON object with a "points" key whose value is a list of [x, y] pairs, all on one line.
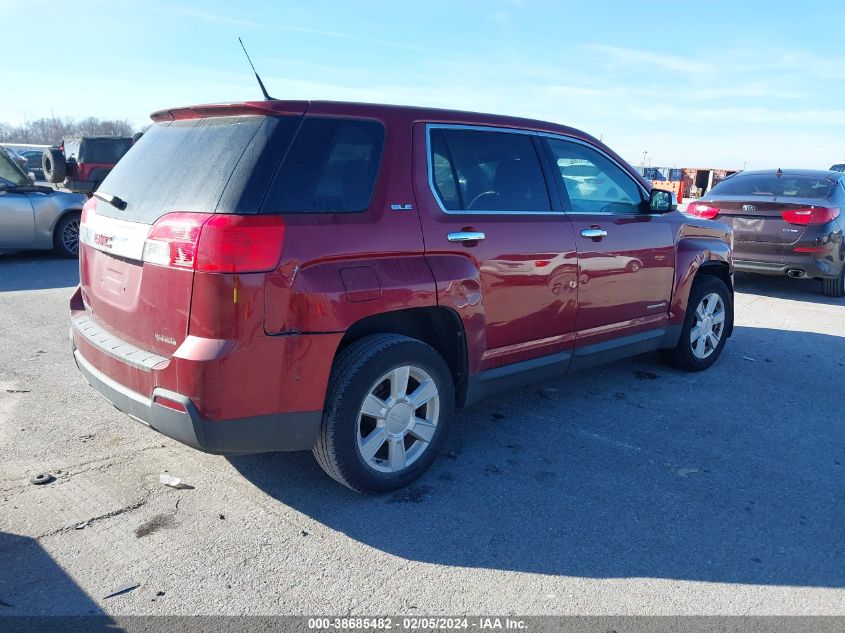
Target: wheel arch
{"points": [[437, 326]]}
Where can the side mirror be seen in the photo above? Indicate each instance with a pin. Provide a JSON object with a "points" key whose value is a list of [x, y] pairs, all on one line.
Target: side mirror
{"points": [[660, 201]]}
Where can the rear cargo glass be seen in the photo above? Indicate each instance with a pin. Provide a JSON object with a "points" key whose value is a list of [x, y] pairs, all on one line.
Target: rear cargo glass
{"points": [[218, 164], [331, 167], [785, 186], [104, 150]]}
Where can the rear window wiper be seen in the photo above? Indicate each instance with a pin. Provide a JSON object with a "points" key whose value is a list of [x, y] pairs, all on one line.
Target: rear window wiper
{"points": [[117, 203]]}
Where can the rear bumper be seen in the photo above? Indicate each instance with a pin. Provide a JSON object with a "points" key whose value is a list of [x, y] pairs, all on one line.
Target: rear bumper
{"points": [[259, 434], [803, 263]]}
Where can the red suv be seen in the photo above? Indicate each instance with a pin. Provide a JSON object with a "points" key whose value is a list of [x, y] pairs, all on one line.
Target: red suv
{"points": [[338, 277]]}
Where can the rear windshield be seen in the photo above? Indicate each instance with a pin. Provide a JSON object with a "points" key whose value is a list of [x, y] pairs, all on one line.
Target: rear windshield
{"points": [[785, 186], [186, 165], [105, 150], [227, 165]]}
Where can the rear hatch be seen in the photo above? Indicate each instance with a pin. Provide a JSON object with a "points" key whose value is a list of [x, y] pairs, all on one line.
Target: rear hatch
{"points": [[139, 235]]}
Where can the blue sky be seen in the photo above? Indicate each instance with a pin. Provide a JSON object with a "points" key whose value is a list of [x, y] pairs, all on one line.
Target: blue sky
{"points": [[692, 83]]}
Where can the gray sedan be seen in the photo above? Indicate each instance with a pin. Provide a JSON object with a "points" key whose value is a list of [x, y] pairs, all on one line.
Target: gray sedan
{"points": [[33, 217]]}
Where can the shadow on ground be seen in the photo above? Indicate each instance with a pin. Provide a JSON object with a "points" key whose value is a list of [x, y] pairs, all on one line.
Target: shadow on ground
{"points": [[809, 290], [632, 470], [37, 271], [33, 584]]}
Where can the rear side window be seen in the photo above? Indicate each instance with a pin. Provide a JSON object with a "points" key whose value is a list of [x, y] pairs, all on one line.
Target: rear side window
{"points": [[784, 186], [475, 170], [331, 166]]}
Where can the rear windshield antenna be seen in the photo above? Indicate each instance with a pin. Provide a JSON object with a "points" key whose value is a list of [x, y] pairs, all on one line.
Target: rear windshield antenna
{"points": [[260, 83]]}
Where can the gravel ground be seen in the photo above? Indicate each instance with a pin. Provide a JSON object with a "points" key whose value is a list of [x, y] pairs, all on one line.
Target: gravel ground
{"points": [[628, 489]]}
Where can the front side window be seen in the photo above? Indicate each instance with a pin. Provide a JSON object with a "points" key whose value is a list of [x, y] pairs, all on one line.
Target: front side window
{"points": [[331, 166], [593, 182], [477, 170]]}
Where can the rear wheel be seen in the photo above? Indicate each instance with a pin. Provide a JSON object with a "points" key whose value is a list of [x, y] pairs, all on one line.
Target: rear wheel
{"points": [[386, 413], [54, 165], [708, 320], [66, 235], [834, 287]]}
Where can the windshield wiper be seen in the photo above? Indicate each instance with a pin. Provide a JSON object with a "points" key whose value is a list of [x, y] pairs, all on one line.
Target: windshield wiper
{"points": [[117, 203]]}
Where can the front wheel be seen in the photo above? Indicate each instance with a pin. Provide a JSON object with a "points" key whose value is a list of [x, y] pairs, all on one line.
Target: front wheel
{"points": [[386, 412], [66, 235], [708, 320]]}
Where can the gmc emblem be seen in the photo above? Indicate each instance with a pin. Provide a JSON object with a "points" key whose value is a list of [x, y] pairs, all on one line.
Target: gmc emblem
{"points": [[103, 240]]}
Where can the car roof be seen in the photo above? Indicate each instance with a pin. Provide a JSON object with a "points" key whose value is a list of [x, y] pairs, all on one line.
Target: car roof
{"points": [[98, 137], [812, 173], [375, 110], [398, 113]]}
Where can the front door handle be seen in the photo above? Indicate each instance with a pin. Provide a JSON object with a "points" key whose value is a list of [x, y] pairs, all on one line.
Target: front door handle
{"points": [[594, 234], [466, 236]]}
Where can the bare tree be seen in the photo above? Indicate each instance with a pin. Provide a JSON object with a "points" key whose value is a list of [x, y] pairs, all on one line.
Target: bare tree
{"points": [[50, 131]]}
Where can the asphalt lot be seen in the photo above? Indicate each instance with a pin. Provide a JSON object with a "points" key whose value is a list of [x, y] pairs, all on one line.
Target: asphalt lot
{"points": [[628, 489]]}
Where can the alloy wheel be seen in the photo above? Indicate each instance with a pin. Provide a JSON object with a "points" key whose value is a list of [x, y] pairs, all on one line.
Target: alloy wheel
{"points": [[398, 419], [708, 327], [70, 236]]}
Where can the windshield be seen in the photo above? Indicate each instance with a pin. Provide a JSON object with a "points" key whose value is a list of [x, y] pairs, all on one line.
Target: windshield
{"points": [[784, 186], [10, 173]]}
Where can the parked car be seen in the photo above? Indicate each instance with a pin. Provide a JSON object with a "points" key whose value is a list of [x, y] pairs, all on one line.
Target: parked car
{"points": [[20, 161], [334, 277], [36, 217], [33, 162], [784, 222], [839, 167], [81, 164]]}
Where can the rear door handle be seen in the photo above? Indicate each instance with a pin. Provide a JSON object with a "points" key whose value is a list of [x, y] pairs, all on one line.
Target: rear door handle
{"points": [[595, 234], [466, 236]]}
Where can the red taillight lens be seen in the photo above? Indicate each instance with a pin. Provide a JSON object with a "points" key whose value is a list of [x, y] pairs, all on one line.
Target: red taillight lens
{"points": [[810, 215], [173, 240], [215, 242], [240, 243], [702, 210]]}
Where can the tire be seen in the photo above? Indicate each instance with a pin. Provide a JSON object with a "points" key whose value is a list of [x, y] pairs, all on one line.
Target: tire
{"points": [[67, 227], [363, 373], [689, 355], [834, 287], [54, 165]]}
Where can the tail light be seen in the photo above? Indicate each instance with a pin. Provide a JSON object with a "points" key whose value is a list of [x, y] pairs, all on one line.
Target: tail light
{"points": [[217, 243], [88, 209], [810, 215], [702, 210]]}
